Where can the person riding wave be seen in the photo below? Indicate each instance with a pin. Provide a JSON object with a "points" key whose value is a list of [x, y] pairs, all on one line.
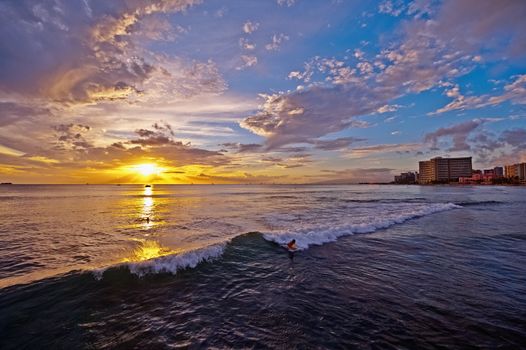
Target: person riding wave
{"points": [[291, 246]]}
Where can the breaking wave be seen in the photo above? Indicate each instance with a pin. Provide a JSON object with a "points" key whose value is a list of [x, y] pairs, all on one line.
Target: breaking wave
{"points": [[169, 263], [319, 236], [304, 239]]}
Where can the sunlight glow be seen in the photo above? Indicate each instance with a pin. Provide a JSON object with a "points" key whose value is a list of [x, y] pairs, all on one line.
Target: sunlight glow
{"points": [[147, 169], [147, 250], [147, 209]]}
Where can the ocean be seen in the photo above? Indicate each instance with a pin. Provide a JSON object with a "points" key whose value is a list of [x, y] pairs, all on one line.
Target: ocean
{"points": [[191, 266]]}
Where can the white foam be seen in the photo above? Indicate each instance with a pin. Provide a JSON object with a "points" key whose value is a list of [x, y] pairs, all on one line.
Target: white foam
{"points": [[170, 263], [313, 233], [320, 235]]}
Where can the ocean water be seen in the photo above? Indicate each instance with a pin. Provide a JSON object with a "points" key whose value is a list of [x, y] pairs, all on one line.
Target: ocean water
{"points": [[103, 267]]}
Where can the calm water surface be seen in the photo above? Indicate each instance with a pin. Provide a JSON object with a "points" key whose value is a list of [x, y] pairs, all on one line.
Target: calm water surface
{"points": [[203, 266]]}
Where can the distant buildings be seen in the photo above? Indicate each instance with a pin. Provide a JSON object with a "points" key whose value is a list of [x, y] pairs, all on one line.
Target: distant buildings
{"points": [[487, 176], [511, 170], [437, 170], [516, 171], [498, 171], [406, 178], [440, 170]]}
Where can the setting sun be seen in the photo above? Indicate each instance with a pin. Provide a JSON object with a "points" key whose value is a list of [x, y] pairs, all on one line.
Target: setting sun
{"points": [[147, 169]]}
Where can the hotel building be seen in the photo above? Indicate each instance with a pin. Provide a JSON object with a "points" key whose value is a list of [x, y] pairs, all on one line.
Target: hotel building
{"points": [[444, 169], [516, 170]]}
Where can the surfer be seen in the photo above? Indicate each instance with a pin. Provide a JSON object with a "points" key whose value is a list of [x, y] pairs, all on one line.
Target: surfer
{"points": [[291, 246], [147, 219]]}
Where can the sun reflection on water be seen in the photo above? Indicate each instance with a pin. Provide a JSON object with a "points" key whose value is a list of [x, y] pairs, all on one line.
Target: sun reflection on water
{"points": [[147, 208], [147, 250]]}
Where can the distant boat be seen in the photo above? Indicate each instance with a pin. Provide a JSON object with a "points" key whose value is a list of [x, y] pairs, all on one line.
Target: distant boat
{"points": [[147, 185], [6, 183]]}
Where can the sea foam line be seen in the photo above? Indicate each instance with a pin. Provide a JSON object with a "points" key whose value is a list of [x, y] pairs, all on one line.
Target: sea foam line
{"points": [[190, 259], [169, 263], [319, 236]]}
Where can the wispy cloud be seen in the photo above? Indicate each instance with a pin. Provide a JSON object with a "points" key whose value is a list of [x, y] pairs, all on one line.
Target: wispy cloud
{"points": [[250, 27], [287, 3], [277, 40]]}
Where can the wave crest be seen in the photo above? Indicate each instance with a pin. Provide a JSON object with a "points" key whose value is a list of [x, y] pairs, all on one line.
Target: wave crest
{"points": [[319, 236], [172, 263], [169, 263]]}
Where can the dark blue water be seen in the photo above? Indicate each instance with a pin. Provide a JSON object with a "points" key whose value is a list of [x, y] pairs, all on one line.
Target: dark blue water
{"points": [[449, 279]]}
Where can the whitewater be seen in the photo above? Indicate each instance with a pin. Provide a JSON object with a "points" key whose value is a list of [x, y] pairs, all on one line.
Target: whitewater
{"points": [[186, 225], [306, 235]]}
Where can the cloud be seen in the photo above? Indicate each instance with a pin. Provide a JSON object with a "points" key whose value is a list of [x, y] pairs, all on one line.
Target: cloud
{"points": [[157, 29], [416, 65], [294, 161], [388, 108], [458, 133], [93, 53], [515, 137], [71, 136], [73, 150], [515, 92], [287, 3], [496, 26], [246, 177], [245, 44], [250, 27], [242, 147], [11, 112], [338, 91], [248, 61], [393, 9], [401, 148], [277, 40], [309, 114], [421, 61], [359, 54], [356, 175], [487, 147], [336, 144]]}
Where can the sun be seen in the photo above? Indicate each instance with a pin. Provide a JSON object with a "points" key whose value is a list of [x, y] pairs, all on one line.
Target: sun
{"points": [[147, 169]]}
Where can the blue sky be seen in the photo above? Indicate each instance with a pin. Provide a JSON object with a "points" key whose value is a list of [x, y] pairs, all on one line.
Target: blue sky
{"points": [[279, 91]]}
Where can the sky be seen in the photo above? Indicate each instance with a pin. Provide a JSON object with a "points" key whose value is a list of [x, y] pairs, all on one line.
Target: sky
{"points": [[257, 91]]}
